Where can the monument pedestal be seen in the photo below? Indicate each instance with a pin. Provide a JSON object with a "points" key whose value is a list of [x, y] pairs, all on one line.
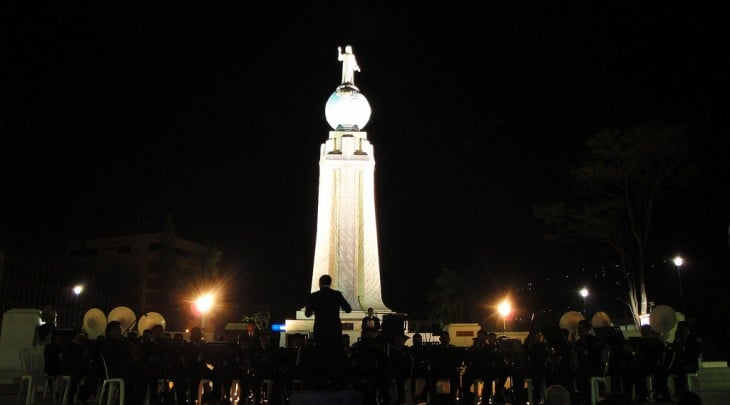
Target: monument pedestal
{"points": [[351, 324]]}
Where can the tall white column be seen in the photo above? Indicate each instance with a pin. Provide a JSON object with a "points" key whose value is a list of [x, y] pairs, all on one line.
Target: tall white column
{"points": [[347, 242]]}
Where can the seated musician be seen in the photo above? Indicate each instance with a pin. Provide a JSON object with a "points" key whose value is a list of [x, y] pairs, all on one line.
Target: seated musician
{"points": [[119, 361], [194, 363], [647, 351], [421, 367], [686, 350], [589, 355], [400, 364]]}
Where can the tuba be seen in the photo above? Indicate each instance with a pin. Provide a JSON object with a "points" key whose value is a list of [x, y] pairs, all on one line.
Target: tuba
{"points": [[124, 315], [570, 320], [601, 320], [94, 323], [150, 319], [663, 319]]}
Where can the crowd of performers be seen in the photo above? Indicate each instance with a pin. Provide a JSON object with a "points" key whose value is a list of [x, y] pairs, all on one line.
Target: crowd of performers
{"points": [[163, 369]]}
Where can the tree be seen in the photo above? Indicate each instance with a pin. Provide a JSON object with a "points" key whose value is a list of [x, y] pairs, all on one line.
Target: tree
{"points": [[449, 296], [618, 185]]}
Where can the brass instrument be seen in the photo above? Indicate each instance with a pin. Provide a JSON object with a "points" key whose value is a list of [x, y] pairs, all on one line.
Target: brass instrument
{"points": [[124, 315], [150, 319], [94, 323]]}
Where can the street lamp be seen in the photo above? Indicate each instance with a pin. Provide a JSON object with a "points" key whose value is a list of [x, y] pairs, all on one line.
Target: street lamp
{"points": [[504, 309], [678, 262], [77, 290], [203, 304], [584, 293]]}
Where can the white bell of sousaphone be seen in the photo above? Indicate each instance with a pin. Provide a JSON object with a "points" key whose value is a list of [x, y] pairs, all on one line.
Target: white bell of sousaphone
{"points": [[601, 320], [124, 315], [150, 319], [663, 319], [570, 320], [94, 323]]}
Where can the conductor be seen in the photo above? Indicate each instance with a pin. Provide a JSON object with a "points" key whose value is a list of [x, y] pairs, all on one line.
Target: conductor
{"points": [[325, 304]]}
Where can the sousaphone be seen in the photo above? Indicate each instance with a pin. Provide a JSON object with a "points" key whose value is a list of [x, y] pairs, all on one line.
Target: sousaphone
{"points": [[150, 319], [570, 320], [94, 323], [663, 319], [124, 315], [601, 320]]}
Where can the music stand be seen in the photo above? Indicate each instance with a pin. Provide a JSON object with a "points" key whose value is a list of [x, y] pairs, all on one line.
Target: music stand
{"points": [[610, 333], [554, 336]]}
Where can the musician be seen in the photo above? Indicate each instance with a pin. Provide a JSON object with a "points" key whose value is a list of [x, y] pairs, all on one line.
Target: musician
{"points": [[251, 334], [119, 362], [195, 368], [589, 351], [686, 350], [537, 358], [76, 361], [477, 362], [648, 351], [445, 340], [370, 323], [498, 367], [421, 366], [487, 364], [400, 364]]}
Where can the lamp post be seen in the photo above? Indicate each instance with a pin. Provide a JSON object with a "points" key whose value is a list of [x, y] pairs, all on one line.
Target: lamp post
{"points": [[678, 261], [77, 290], [504, 309], [584, 293], [203, 304]]}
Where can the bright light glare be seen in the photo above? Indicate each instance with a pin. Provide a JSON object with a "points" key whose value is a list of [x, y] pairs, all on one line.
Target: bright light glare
{"points": [[78, 289], [678, 261], [504, 308], [583, 292], [204, 303]]}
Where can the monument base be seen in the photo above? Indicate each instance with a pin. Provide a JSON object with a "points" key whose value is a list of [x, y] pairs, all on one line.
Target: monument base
{"points": [[351, 324]]}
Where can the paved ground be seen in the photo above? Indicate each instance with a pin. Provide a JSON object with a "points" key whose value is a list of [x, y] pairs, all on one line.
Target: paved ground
{"points": [[8, 394]]}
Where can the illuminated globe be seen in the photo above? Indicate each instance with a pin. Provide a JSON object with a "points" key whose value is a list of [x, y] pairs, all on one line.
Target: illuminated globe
{"points": [[347, 109]]}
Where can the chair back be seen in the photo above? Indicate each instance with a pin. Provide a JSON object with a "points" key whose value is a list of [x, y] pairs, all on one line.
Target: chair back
{"points": [[31, 362], [106, 369], [216, 353]]}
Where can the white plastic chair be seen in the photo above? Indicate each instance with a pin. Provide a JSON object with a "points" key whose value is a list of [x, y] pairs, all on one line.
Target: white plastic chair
{"points": [[110, 385], [57, 384], [204, 386], [596, 388], [32, 363]]}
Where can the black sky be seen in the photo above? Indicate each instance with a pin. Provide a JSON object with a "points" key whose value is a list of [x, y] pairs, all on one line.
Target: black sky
{"points": [[114, 115]]}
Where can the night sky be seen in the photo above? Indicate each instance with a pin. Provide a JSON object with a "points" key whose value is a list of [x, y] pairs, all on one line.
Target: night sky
{"points": [[113, 116]]}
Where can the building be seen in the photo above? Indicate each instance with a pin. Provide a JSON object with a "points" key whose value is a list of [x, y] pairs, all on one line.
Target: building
{"points": [[154, 272]]}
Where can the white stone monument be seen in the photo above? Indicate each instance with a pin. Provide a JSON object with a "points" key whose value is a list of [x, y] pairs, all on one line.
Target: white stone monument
{"points": [[347, 241]]}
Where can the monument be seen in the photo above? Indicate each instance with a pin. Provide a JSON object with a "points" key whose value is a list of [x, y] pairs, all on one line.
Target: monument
{"points": [[346, 245]]}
